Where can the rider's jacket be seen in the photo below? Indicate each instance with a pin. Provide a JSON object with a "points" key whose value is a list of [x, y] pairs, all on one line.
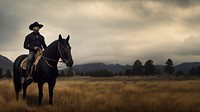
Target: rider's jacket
{"points": [[34, 40]]}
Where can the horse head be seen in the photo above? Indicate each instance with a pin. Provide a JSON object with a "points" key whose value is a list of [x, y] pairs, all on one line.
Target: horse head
{"points": [[64, 49]]}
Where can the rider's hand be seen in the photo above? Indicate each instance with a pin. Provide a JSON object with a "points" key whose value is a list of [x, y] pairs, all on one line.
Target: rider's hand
{"points": [[36, 48]]}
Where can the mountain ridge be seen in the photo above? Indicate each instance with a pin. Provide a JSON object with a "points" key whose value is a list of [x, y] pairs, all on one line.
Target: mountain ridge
{"points": [[6, 64], [116, 68]]}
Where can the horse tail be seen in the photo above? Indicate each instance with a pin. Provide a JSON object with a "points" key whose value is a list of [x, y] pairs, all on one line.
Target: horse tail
{"points": [[17, 73]]}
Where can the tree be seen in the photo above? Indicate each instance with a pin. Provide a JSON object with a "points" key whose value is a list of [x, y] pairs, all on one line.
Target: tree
{"points": [[120, 73], [8, 73], [128, 72], [195, 71], [169, 67], [178, 73], [137, 67], [62, 74], [81, 74], [192, 71], [149, 67], [1, 73], [70, 72]]}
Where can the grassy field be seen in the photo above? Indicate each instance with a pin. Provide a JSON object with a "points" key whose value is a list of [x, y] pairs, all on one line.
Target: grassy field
{"points": [[107, 95]]}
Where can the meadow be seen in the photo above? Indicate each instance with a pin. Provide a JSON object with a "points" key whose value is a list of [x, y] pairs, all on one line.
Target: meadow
{"points": [[107, 95]]}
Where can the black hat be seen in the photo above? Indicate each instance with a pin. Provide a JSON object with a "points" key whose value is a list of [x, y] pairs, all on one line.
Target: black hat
{"points": [[35, 24]]}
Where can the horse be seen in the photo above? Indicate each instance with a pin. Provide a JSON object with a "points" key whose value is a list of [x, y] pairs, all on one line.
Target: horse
{"points": [[46, 70]]}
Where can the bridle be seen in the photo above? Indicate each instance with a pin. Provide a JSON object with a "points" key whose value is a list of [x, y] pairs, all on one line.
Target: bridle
{"points": [[50, 59]]}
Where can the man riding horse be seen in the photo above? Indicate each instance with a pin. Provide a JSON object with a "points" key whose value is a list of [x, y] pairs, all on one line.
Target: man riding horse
{"points": [[33, 42]]}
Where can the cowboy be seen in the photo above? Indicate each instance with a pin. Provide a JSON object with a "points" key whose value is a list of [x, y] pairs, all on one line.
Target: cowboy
{"points": [[33, 42]]}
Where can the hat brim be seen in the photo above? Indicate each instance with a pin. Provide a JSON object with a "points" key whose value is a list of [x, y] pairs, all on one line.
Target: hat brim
{"points": [[33, 25]]}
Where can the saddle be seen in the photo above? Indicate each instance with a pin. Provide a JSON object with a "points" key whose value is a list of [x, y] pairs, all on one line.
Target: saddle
{"points": [[24, 62]]}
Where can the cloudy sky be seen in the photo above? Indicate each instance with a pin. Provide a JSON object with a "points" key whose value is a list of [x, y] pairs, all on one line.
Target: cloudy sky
{"points": [[109, 31]]}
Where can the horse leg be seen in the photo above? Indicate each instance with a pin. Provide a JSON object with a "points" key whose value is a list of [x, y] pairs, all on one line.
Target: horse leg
{"points": [[51, 85], [17, 96], [24, 89], [40, 87]]}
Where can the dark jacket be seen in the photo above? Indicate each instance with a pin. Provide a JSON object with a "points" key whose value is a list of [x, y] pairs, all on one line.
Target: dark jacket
{"points": [[34, 40]]}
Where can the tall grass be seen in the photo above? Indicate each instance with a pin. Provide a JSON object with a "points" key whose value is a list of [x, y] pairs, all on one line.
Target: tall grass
{"points": [[107, 96]]}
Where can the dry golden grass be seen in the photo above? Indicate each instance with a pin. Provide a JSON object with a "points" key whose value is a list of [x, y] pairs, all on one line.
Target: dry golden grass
{"points": [[107, 96]]}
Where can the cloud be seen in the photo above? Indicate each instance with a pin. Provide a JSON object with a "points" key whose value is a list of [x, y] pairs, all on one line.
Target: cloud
{"points": [[107, 31], [190, 46], [181, 3]]}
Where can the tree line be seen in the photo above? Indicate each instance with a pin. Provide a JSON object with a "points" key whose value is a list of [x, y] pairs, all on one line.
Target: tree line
{"points": [[195, 71], [8, 73], [138, 69], [149, 69]]}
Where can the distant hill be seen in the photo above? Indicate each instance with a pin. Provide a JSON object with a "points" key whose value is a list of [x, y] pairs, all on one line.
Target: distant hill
{"points": [[5, 63], [116, 68], [187, 66]]}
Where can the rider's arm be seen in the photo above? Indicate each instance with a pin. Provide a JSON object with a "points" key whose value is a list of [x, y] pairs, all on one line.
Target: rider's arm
{"points": [[26, 44]]}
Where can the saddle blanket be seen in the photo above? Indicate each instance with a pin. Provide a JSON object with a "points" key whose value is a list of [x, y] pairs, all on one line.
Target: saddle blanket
{"points": [[38, 56]]}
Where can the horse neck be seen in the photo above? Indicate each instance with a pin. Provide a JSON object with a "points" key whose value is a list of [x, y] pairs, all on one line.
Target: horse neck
{"points": [[51, 52]]}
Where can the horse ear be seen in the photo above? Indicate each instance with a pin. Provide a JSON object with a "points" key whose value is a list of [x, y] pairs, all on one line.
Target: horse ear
{"points": [[60, 37], [68, 37]]}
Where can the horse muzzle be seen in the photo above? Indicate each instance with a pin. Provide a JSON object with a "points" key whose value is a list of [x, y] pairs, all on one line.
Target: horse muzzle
{"points": [[69, 63]]}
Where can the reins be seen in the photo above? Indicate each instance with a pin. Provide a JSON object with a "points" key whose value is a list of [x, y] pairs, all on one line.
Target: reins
{"points": [[46, 58]]}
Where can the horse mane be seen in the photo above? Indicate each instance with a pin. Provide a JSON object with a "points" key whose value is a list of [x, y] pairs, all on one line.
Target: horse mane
{"points": [[51, 49]]}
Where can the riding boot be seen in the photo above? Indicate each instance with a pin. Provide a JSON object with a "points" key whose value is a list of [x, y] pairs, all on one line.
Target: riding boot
{"points": [[29, 79]]}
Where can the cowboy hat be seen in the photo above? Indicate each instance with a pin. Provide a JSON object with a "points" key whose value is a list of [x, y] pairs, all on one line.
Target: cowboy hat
{"points": [[35, 24]]}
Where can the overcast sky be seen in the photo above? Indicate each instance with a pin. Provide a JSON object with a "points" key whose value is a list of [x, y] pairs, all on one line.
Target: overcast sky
{"points": [[109, 31]]}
